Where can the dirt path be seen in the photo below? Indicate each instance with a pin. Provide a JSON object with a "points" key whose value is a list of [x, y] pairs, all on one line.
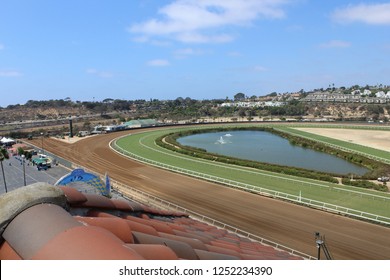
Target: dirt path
{"points": [[370, 138], [288, 224]]}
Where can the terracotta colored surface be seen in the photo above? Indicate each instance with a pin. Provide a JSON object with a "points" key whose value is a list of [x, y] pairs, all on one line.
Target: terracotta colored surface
{"points": [[35, 226], [205, 238], [194, 243], [222, 250], [122, 204], [86, 243], [98, 213], [161, 227], [73, 196], [117, 226], [181, 249], [142, 228], [291, 225], [97, 201], [7, 253], [225, 245]]}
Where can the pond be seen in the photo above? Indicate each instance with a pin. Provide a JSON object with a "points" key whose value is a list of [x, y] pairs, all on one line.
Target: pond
{"points": [[264, 146]]}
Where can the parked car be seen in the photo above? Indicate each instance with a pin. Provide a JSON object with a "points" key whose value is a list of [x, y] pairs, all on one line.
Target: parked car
{"points": [[42, 166], [383, 179]]}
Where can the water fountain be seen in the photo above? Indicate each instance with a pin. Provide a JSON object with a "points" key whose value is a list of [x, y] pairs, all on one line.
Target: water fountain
{"points": [[221, 141]]}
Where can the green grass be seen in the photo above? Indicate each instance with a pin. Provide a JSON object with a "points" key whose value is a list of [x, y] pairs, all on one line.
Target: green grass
{"points": [[380, 154], [143, 145]]}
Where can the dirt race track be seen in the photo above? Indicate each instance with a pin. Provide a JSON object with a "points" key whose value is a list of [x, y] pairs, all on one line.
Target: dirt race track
{"points": [[285, 223]]}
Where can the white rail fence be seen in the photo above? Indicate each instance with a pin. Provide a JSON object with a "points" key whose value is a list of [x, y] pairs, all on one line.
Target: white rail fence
{"points": [[148, 199], [385, 160], [263, 191]]}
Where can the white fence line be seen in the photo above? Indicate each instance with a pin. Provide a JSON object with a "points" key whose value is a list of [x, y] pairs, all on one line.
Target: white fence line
{"points": [[260, 190], [140, 196], [290, 180], [339, 147]]}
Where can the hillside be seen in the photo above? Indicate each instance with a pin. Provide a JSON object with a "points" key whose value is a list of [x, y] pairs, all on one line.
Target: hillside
{"points": [[348, 111], [36, 116], [23, 113]]}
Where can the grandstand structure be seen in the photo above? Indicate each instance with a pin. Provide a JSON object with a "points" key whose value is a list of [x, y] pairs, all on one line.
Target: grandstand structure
{"points": [[141, 123], [125, 126]]}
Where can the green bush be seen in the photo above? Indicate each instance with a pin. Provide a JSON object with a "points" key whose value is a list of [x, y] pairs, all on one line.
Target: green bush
{"points": [[377, 168], [364, 184], [171, 144]]}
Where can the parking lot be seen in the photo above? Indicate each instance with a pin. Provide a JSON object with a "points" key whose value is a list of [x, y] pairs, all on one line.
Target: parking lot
{"points": [[14, 175]]}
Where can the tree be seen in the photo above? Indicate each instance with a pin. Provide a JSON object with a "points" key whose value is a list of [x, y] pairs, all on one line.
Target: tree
{"points": [[21, 151], [242, 112], [239, 96], [3, 155], [108, 100], [87, 125]]}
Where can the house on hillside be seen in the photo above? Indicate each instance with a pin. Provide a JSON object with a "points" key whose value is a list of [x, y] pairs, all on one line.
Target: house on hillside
{"points": [[366, 92], [380, 94]]}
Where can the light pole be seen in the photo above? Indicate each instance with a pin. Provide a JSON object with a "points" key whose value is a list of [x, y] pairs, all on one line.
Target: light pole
{"points": [[43, 152], [319, 243], [2, 170], [3, 156], [24, 170]]}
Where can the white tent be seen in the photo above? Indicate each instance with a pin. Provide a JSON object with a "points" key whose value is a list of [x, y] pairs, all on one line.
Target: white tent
{"points": [[7, 141]]}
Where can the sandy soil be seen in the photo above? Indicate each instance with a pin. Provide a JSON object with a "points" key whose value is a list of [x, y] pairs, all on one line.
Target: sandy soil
{"points": [[288, 224], [71, 140], [369, 138]]}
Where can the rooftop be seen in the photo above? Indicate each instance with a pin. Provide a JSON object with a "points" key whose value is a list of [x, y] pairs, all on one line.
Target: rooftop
{"points": [[46, 222]]}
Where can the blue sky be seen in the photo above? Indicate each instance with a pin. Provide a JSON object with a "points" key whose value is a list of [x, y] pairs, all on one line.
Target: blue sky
{"points": [[204, 49]]}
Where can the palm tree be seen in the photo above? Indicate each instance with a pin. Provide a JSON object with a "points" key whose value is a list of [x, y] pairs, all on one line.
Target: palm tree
{"points": [[3, 155]]}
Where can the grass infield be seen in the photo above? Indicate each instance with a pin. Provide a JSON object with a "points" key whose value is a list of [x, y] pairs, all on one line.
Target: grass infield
{"points": [[377, 203]]}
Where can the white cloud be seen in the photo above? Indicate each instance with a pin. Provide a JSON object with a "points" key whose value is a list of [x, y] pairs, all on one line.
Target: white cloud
{"points": [[158, 63], [2, 47], [249, 69], [98, 73], [203, 21], [186, 52], [377, 14], [195, 37], [335, 44], [10, 73]]}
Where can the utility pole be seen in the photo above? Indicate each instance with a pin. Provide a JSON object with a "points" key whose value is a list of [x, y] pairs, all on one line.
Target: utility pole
{"points": [[3, 156], [43, 152], [5, 183], [24, 170]]}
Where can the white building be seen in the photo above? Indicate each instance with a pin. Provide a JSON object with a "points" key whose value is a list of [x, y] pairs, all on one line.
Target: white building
{"points": [[380, 94], [253, 104]]}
